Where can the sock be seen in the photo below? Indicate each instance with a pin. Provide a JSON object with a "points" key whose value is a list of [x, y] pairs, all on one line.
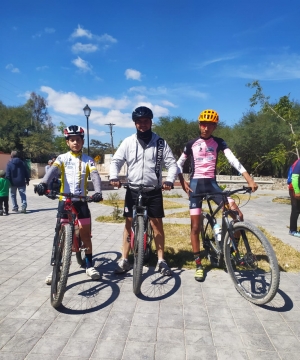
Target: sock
{"points": [[197, 258], [161, 260], [89, 260]]}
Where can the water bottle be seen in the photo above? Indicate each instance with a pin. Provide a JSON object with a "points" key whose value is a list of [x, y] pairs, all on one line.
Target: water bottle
{"points": [[218, 232]]}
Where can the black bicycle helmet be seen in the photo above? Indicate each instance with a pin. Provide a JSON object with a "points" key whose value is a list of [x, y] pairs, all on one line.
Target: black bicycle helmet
{"points": [[73, 130], [142, 112]]}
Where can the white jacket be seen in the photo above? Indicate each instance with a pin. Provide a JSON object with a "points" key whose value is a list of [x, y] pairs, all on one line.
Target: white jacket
{"points": [[141, 163]]}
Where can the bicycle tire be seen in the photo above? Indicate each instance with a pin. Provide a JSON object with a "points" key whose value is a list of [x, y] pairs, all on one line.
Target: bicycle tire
{"points": [[211, 246], [63, 253], [256, 273], [148, 250], [138, 254], [80, 255]]}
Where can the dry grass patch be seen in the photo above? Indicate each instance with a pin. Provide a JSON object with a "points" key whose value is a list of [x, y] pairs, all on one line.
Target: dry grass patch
{"points": [[282, 200], [288, 257], [110, 219], [167, 204], [178, 249]]}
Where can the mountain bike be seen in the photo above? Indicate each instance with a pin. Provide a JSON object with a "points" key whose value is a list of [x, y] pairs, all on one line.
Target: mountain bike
{"points": [[66, 240], [248, 255], [141, 235]]}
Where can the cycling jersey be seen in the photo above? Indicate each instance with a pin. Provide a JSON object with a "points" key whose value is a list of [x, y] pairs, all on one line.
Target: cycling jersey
{"points": [[204, 156], [74, 169]]}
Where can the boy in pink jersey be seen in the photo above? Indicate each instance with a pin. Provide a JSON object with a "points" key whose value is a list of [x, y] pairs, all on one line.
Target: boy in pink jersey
{"points": [[204, 154]]}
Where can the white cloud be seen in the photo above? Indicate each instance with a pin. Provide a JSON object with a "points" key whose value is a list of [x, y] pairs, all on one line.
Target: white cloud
{"points": [[168, 103], [87, 48], [114, 117], [156, 109], [133, 74], [41, 68], [274, 67], [49, 30], [216, 60], [80, 32], [71, 103], [96, 132], [110, 103], [105, 38], [37, 35], [68, 104], [12, 68], [82, 64], [177, 91]]}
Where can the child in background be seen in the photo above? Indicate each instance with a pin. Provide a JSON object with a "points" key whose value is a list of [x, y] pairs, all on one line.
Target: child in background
{"points": [[4, 191]]}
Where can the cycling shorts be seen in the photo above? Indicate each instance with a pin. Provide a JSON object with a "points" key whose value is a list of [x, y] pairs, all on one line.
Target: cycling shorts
{"points": [[200, 186], [83, 211], [152, 199]]}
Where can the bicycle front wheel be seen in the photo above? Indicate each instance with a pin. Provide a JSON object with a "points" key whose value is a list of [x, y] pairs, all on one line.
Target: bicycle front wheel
{"points": [[63, 253], [148, 250], [253, 266], [138, 254]]}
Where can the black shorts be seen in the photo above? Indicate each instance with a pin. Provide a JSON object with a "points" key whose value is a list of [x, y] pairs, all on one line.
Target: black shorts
{"points": [[152, 199], [80, 206], [200, 186]]}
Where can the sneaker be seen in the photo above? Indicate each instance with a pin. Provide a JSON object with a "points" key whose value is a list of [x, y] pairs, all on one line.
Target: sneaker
{"points": [[294, 233], [7, 213], [199, 274], [1, 213], [48, 279], [15, 210], [93, 273], [164, 269], [23, 210], [122, 266]]}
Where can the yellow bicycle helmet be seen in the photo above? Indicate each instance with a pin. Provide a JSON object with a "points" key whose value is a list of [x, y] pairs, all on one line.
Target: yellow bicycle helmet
{"points": [[209, 115]]}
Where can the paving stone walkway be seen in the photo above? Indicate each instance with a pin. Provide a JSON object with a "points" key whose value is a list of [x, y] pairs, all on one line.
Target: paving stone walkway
{"points": [[173, 318]]}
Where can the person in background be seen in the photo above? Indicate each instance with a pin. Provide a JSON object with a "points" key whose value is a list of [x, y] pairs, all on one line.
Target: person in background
{"points": [[294, 192], [4, 191], [47, 167], [17, 174]]}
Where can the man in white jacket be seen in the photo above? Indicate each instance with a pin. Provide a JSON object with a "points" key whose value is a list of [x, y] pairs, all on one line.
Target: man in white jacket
{"points": [[145, 153]]}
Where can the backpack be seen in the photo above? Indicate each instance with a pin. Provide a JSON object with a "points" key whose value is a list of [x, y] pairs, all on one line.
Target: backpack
{"points": [[289, 177]]}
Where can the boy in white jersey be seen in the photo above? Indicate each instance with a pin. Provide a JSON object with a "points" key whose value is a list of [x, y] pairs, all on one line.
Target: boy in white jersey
{"points": [[204, 154], [75, 167]]}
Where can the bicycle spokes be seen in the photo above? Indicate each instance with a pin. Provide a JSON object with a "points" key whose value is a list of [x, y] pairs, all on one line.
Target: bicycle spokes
{"points": [[251, 263]]}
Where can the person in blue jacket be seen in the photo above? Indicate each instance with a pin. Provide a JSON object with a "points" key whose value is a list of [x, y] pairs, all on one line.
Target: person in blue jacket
{"points": [[17, 174]]}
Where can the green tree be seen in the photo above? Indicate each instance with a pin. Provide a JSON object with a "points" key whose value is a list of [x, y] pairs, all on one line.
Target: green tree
{"points": [[27, 129], [286, 110], [99, 148]]}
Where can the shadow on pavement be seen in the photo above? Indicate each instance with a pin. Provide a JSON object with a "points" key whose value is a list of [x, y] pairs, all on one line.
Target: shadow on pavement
{"points": [[157, 287], [281, 303]]}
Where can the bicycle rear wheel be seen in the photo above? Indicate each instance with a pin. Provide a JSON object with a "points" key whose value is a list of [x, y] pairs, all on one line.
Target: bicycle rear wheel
{"points": [[253, 267], [148, 250], [138, 254], [211, 246], [63, 252]]}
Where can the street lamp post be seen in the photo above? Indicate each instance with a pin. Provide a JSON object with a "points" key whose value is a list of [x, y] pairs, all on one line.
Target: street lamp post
{"points": [[87, 112]]}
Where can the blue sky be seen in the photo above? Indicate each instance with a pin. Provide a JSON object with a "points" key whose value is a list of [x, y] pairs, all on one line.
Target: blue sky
{"points": [[176, 56]]}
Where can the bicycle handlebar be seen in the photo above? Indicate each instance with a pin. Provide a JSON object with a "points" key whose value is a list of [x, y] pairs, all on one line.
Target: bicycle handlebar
{"points": [[140, 186], [227, 193], [54, 194]]}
